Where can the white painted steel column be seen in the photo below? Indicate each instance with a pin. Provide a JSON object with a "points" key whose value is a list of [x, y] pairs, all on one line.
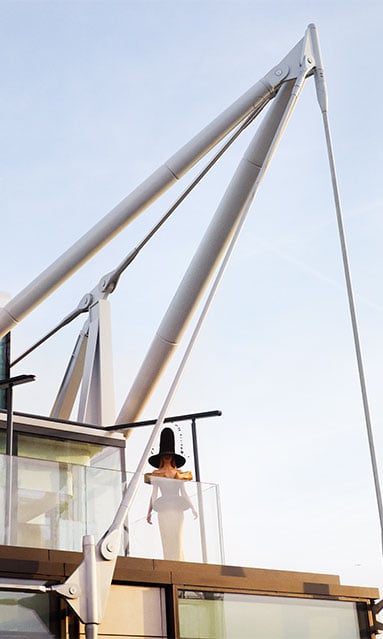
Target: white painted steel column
{"points": [[96, 404], [204, 262], [142, 196], [66, 396]]}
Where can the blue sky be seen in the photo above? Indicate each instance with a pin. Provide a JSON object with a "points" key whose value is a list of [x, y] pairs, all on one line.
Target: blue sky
{"points": [[95, 96]]}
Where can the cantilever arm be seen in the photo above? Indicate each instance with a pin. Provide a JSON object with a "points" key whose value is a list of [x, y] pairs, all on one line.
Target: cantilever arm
{"points": [[166, 175]]}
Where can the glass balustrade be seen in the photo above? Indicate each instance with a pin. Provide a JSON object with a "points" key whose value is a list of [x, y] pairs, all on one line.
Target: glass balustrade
{"points": [[53, 504]]}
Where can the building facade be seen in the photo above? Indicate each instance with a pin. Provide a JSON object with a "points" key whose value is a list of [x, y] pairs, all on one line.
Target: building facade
{"points": [[181, 600], [66, 480]]}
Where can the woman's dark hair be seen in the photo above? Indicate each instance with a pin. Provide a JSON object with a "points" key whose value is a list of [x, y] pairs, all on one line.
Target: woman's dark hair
{"points": [[172, 461]]}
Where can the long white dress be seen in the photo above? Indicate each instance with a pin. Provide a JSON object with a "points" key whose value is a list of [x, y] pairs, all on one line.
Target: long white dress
{"points": [[170, 507]]}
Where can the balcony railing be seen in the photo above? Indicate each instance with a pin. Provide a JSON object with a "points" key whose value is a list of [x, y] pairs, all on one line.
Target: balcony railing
{"points": [[52, 505]]}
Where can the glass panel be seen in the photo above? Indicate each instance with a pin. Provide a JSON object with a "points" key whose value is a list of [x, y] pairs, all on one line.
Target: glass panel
{"points": [[25, 615], [103, 494], [206, 615], [133, 611], [174, 533], [53, 505]]}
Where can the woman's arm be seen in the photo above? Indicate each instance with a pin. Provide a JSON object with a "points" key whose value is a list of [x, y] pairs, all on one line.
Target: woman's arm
{"points": [[151, 502], [186, 496]]}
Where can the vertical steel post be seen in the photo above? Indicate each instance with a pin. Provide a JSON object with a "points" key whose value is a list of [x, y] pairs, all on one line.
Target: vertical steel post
{"points": [[202, 527], [91, 587], [9, 465], [195, 450], [5, 356]]}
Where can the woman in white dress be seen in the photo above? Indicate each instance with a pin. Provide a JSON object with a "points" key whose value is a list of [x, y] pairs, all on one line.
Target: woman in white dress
{"points": [[169, 497]]}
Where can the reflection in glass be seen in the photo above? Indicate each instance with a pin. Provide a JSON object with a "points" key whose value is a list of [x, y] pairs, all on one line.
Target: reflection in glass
{"points": [[25, 615], [52, 505], [71, 452]]}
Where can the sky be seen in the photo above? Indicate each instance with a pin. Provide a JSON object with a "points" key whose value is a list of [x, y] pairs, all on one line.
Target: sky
{"points": [[95, 96]]}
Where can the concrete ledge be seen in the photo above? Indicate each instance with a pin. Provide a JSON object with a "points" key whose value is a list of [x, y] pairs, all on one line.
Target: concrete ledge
{"points": [[55, 565]]}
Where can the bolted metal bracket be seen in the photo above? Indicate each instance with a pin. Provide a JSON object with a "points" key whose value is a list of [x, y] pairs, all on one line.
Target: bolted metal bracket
{"points": [[87, 588], [68, 592]]}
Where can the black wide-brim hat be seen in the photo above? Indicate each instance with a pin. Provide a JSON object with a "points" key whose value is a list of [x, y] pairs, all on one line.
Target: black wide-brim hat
{"points": [[167, 446]]}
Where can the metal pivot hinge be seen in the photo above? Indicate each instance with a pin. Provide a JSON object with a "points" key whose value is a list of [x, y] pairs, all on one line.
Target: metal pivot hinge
{"points": [[86, 589]]}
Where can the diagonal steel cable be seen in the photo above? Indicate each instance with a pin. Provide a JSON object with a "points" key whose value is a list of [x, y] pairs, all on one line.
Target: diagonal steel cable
{"points": [[110, 281]]}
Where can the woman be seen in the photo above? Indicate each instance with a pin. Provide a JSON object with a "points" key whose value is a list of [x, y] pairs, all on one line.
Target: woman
{"points": [[173, 499]]}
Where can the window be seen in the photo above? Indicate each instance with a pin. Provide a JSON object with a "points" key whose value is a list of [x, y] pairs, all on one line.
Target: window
{"points": [[211, 615], [67, 451], [133, 612], [28, 615]]}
